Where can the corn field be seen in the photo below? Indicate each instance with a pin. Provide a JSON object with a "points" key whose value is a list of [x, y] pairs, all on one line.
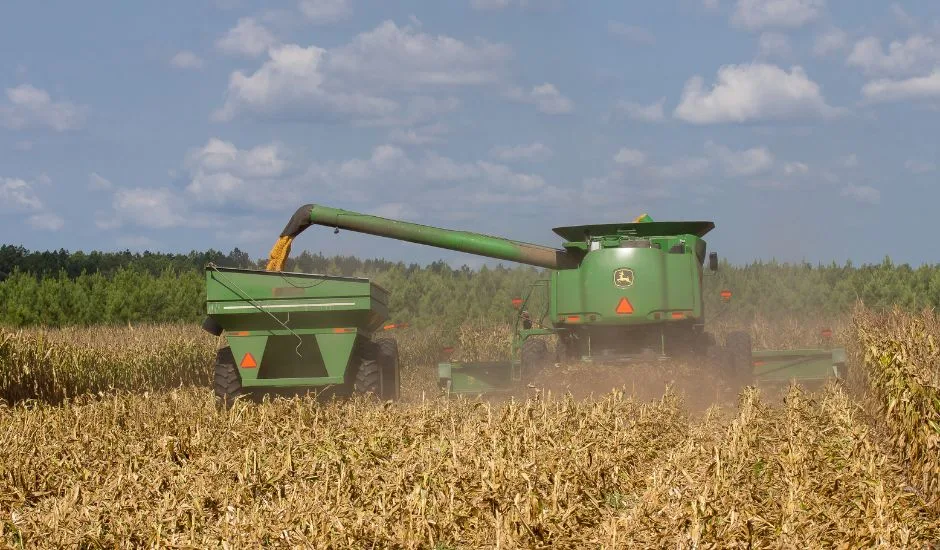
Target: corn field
{"points": [[110, 438]]}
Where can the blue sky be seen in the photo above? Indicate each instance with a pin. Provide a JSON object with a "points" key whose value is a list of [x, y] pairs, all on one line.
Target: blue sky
{"points": [[806, 129]]}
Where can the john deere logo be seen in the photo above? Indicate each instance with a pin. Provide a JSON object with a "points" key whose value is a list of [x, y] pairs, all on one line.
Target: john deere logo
{"points": [[623, 277]]}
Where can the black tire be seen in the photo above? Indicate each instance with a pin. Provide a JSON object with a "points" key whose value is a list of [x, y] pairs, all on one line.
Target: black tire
{"points": [[535, 358], [387, 356], [739, 349], [369, 379], [227, 381]]}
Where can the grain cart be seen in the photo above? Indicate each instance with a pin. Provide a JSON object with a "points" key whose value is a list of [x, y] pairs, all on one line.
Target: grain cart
{"points": [[294, 331], [614, 293]]}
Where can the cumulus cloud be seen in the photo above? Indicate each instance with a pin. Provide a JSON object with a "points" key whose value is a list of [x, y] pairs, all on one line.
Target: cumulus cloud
{"points": [[186, 60], [46, 222], [795, 168], [546, 98], [749, 162], [220, 171], [915, 55], [774, 44], [654, 112], [325, 11], [630, 157], [155, 208], [751, 92], [920, 167], [759, 14], [247, 38], [862, 193], [832, 40], [632, 33], [683, 168], [28, 106], [18, 195], [533, 151], [419, 135], [911, 89], [98, 183], [353, 80], [496, 5]]}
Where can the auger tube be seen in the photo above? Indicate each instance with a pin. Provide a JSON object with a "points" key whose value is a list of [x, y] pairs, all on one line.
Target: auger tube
{"points": [[461, 241]]}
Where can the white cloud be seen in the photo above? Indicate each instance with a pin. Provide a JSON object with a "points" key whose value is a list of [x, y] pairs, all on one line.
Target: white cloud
{"points": [[902, 16], [325, 11], [18, 194], [46, 221], [862, 193], [915, 55], [28, 106], [395, 211], [187, 60], [759, 14], [918, 167], [850, 161], [684, 168], [795, 168], [247, 38], [741, 163], [917, 88], [545, 97], [774, 44], [155, 208], [219, 171], [98, 183], [402, 57], [353, 80], [711, 4], [654, 112], [533, 151], [421, 135], [630, 157], [831, 41], [292, 81], [757, 91], [496, 5], [631, 32], [490, 4]]}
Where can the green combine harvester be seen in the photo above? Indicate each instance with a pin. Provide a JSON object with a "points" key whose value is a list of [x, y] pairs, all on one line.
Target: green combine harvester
{"points": [[616, 293]]}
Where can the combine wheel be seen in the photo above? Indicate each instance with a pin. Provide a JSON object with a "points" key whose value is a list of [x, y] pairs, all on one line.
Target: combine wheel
{"points": [[227, 381], [739, 349], [535, 358], [387, 356], [369, 378]]}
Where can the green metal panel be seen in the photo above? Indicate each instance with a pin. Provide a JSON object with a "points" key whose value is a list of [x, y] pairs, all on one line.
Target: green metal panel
{"points": [[801, 365], [643, 229], [336, 350], [476, 378]]}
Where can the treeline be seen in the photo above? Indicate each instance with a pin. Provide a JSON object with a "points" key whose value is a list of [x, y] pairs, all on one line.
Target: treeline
{"points": [[62, 288]]}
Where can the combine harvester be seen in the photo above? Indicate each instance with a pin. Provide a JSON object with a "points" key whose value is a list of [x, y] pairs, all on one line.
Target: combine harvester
{"points": [[616, 293]]}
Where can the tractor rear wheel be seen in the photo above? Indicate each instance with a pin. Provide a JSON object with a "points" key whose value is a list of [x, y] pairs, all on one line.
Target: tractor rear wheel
{"points": [[535, 358], [227, 382], [387, 356], [739, 349]]}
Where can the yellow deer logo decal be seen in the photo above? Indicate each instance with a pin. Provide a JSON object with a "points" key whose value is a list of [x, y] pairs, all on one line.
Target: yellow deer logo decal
{"points": [[623, 277]]}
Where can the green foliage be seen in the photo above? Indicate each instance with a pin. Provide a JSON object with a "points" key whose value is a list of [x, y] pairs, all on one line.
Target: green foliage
{"points": [[61, 288]]}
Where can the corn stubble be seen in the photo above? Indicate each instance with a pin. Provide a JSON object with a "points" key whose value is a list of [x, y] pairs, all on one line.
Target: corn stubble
{"points": [[169, 469]]}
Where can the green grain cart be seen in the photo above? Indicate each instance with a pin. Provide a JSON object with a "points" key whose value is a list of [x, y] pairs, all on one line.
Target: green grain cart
{"points": [[294, 331]]}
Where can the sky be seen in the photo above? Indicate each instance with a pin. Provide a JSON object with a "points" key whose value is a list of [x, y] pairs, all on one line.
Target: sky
{"points": [[807, 130]]}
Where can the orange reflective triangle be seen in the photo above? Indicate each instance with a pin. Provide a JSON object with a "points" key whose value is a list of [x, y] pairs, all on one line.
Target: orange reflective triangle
{"points": [[248, 361], [624, 307]]}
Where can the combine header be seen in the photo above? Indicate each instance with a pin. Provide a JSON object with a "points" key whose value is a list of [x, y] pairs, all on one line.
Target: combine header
{"points": [[615, 293]]}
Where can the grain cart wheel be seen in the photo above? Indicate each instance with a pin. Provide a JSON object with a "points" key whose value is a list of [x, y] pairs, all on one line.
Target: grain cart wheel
{"points": [[369, 379], [227, 381], [535, 358], [388, 361], [739, 349]]}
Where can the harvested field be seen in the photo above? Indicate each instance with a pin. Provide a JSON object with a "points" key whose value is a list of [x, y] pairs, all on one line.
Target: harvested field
{"points": [[147, 466]]}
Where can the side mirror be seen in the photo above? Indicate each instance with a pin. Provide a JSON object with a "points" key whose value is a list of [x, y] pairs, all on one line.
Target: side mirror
{"points": [[713, 261]]}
